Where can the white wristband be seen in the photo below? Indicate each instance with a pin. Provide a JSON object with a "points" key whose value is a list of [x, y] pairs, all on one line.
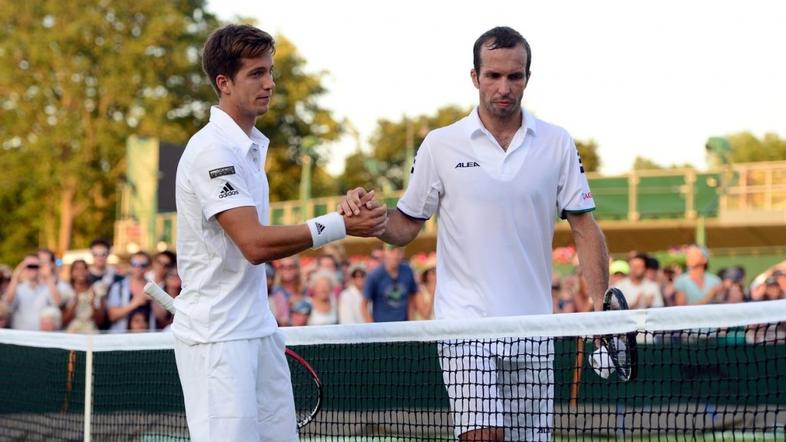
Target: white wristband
{"points": [[326, 228]]}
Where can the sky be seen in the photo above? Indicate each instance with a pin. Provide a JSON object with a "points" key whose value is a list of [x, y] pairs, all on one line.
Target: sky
{"points": [[645, 78]]}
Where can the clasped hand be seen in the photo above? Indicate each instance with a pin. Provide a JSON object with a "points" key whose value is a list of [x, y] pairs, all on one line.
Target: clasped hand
{"points": [[363, 214]]}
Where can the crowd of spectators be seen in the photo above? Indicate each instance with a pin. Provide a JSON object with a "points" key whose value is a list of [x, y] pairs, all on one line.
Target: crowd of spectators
{"points": [[92, 297], [648, 284], [89, 296]]}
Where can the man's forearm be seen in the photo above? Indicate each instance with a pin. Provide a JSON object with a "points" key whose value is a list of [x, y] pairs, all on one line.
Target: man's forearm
{"points": [[400, 229], [593, 257]]}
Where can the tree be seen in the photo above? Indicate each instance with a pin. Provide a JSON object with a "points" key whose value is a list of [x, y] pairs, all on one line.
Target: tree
{"points": [[356, 173], [641, 163], [295, 115], [745, 148], [389, 145], [588, 151], [76, 79]]}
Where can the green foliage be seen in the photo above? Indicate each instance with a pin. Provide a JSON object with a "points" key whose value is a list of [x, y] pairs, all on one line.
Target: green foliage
{"points": [[294, 116], [76, 79], [588, 150], [641, 163], [389, 147], [745, 148], [356, 173]]}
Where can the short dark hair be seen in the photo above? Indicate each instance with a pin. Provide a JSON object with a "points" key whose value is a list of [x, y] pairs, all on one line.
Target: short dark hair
{"points": [[501, 37], [142, 254], [100, 242], [641, 256], [169, 254], [226, 48]]}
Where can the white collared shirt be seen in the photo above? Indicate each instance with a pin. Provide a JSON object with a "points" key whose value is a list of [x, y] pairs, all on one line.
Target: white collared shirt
{"points": [[496, 211], [224, 296]]}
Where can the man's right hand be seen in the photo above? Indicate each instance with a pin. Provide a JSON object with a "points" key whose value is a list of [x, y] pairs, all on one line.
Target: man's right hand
{"points": [[370, 221], [354, 200]]}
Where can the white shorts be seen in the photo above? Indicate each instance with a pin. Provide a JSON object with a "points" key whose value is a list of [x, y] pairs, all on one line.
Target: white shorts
{"points": [[506, 383], [237, 390]]}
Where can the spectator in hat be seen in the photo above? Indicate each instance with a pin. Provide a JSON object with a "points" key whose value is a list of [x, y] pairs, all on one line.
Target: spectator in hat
{"points": [[350, 302], [696, 285], [299, 312], [618, 270]]}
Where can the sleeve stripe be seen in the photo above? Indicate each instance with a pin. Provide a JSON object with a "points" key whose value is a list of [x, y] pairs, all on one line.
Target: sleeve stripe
{"points": [[410, 216], [565, 212]]}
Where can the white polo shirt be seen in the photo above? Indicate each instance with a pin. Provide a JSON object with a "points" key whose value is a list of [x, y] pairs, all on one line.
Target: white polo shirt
{"points": [[495, 213], [224, 296]]}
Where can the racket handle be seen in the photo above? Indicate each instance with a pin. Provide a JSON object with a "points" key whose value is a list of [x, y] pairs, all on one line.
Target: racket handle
{"points": [[160, 296], [601, 362]]}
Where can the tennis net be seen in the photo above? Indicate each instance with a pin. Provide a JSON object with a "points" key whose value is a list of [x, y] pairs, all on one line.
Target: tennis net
{"points": [[703, 373]]}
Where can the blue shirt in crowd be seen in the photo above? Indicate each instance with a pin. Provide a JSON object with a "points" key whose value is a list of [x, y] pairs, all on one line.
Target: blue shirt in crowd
{"points": [[389, 297], [694, 293]]}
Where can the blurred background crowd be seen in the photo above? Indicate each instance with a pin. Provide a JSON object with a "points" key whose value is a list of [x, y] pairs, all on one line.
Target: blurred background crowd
{"points": [[91, 295]]}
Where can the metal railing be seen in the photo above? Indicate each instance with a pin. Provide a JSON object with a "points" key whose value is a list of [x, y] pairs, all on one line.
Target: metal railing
{"points": [[740, 193]]}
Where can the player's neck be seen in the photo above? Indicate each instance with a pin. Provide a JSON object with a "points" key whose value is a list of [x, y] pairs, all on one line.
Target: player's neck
{"points": [[245, 120], [502, 128]]}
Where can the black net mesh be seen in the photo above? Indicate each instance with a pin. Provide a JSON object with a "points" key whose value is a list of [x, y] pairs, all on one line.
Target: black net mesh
{"points": [[42, 394]]}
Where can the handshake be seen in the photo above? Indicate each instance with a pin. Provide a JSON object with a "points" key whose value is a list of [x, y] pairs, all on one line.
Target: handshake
{"points": [[363, 214]]}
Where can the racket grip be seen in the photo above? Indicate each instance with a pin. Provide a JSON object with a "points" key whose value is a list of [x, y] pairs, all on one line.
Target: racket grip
{"points": [[160, 296], [600, 361]]}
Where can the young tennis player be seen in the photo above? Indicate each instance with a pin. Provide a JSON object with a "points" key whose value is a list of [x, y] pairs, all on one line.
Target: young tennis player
{"points": [[230, 357]]}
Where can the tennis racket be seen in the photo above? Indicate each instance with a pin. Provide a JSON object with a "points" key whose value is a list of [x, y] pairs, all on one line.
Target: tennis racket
{"points": [[620, 348], [306, 385]]}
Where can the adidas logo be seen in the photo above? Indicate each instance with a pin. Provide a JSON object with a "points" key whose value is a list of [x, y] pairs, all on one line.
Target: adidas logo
{"points": [[227, 190], [320, 228]]}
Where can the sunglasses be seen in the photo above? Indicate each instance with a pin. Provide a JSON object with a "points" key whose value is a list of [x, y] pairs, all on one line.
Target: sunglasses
{"points": [[100, 254], [33, 266], [288, 266], [138, 265]]}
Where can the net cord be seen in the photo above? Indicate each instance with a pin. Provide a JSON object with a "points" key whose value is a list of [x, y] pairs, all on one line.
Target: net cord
{"points": [[552, 325]]}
